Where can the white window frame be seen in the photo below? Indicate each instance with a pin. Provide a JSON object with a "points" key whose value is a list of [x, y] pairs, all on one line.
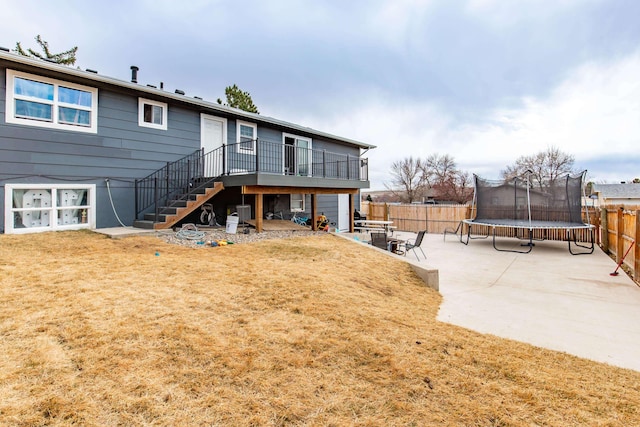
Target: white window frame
{"points": [[53, 210], [252, 150], [141, 122], [11, 97], [296, 202], [297, 138]]}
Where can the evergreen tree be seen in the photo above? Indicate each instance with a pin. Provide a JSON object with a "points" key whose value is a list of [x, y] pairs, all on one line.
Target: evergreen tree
{"points": [[65, 58], [237, 98]]}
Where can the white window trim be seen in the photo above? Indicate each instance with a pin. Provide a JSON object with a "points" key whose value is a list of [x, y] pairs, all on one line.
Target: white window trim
{"points": [[302, 199], [297, 137], [142, 123], [9, 210], [255, 136], [10, 104]]}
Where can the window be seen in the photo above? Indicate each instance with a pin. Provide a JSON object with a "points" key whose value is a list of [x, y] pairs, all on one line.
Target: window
{"points": [[296, 203], [40, 101], [246, 137], [152, 114], [46, 207]]}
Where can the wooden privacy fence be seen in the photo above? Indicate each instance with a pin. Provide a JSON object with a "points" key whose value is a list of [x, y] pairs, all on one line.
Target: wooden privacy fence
{"points": [[620, 232], [616, 229], [437, 218], [433, 218]]}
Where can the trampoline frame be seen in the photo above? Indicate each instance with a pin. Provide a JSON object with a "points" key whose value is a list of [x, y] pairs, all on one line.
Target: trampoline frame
{"points": [[529, 225]]}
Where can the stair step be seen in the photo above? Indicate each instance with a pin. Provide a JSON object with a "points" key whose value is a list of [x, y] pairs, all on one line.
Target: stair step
{"points": [[139, 223], [179, 209], [169, 211], [151, 217]]}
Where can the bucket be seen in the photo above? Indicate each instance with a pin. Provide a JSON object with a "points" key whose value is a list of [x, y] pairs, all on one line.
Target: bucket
{"points": [[232, 223]]}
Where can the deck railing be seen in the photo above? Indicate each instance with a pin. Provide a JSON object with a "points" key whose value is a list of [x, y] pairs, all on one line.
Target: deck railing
{"points": [[177, 180], [263, 156]]}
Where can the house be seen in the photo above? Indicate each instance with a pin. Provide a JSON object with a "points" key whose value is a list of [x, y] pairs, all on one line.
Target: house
{"points": [[83, 150], [623, 194]]}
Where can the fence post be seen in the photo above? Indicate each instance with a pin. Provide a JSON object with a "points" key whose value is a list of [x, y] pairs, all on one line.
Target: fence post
{"points": [[426, 218], [604, 230], [636, 249], [620, 234]]}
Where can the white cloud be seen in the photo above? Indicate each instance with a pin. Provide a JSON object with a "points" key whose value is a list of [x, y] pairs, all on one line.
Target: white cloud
{"points": [[593, 114]]}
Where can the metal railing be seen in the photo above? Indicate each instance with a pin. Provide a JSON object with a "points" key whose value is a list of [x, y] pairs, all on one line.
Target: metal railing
{"points": [[178, 180], [262, 156]]}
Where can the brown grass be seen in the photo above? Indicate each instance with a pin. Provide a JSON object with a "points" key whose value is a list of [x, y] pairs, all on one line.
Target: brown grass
{"points": [[305, 331]]}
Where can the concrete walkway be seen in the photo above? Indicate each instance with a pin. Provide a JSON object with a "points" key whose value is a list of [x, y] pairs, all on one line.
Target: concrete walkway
{"points": [[548, 298]]}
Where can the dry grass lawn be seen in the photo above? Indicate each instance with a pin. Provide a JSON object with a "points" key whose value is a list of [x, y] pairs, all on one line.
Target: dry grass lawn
{"points": [[305, 331]]}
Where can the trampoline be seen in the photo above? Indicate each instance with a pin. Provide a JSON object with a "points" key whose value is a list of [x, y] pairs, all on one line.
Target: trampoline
{"points": [[517, 208]]}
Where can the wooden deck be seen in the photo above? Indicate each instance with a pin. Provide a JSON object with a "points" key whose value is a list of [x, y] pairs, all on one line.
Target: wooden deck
{"points": [[277, 225]]}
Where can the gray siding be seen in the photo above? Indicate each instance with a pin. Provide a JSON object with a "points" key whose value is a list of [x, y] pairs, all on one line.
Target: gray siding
{"points": [[121, 151], [328, 204]]}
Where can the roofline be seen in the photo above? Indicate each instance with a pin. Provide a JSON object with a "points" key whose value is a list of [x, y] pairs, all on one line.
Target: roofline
{"points": [[89, 75]]}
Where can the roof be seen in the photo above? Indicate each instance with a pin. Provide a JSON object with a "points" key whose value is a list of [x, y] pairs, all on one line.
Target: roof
{"points": [[159, 93], [617, 191]]}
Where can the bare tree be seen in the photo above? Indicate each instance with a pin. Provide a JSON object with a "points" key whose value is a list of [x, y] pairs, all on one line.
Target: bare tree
{"points": [[444, 177], [407, 179], [544, 166]]}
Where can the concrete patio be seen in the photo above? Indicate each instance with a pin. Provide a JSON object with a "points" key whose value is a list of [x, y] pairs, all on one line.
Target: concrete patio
{"points": [[548, 298]]}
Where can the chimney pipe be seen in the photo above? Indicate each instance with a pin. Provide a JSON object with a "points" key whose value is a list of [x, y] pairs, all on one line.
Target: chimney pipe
{"points": [[134, 74]]}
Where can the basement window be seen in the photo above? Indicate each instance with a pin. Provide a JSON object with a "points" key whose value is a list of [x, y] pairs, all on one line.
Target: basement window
{"points": [[32, 208], [296, 203], [152, 114]]}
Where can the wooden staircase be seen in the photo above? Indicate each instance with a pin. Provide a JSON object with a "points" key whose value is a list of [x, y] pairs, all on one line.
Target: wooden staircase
{"points": [[178, 210]]}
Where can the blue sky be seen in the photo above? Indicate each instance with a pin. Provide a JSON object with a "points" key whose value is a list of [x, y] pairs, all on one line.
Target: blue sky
{"points": [[485, 81]]}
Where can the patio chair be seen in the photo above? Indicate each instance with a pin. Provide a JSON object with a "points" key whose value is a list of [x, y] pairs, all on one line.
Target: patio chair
{"points": [[379, 240], [413, 244]]}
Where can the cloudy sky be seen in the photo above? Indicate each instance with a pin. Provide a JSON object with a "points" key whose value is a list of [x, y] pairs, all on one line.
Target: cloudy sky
{"points": [[485, 81]]}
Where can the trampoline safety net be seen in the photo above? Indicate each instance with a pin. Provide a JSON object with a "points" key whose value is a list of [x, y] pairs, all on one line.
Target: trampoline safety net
{"points": [[518, 200]]}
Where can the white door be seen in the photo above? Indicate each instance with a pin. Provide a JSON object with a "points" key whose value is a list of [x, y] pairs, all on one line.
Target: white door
{"points": [[213, 133], [343, 212]]}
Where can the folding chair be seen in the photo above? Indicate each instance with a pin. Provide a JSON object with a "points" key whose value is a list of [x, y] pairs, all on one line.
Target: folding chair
{"points": [[413, 244], [379, 240]]}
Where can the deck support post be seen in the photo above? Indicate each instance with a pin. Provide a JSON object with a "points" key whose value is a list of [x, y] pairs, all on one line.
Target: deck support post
{"points": [[259, 198], [314, 211]]}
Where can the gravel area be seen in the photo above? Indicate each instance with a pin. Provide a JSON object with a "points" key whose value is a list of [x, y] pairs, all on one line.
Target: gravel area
{"points": [[202, 238]]}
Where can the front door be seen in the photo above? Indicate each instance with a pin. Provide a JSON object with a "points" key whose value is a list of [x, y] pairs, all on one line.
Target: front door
{"points": [[213, 134]]}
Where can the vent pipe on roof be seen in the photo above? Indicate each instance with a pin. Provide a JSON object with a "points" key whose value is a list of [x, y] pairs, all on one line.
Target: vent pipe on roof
{"points": [[134, 74], [179, 92]]}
